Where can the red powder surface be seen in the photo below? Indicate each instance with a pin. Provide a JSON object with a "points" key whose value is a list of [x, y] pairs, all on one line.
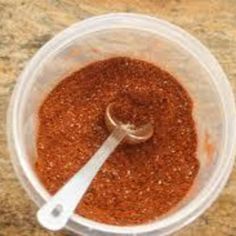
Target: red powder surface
{"points": [[138, 183]]}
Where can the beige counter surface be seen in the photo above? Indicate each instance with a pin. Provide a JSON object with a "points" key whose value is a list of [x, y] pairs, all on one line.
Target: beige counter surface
{"points": [[25, 25]]}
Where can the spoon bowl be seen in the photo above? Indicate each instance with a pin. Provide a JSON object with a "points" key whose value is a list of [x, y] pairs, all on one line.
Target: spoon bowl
{"points": [[134, 135]]}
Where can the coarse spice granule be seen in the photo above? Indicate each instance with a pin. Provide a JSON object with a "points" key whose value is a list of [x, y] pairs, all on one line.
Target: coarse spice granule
{"points": [[138, 183]]}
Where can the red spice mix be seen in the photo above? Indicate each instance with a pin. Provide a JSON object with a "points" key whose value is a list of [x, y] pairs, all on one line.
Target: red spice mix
{"points": [[139, 182]]}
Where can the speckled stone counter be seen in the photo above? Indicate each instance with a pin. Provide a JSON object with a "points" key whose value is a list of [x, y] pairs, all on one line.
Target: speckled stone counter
{"points": [[26, 25]]}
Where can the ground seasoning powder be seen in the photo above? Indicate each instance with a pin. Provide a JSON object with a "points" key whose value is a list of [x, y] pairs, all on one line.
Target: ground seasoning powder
{"points": [[138, 183]]}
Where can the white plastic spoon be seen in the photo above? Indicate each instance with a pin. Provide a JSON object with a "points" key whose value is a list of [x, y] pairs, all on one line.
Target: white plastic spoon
{"points": [[57, 211]]}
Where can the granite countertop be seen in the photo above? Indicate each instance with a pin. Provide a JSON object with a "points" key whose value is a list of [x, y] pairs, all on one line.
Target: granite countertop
{"points": [[25, 25]]}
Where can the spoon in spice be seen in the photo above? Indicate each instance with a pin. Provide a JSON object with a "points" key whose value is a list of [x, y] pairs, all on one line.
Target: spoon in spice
{"points": [[57, 211]]}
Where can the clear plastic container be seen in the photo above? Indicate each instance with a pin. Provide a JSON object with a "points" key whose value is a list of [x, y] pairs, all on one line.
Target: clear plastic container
{"points": [[149, 39]]}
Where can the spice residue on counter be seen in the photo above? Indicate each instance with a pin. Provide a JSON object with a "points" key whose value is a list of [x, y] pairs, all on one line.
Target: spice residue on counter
{"points": [[139, 182]]}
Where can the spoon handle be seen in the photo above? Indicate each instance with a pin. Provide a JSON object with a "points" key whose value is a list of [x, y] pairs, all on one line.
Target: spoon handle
{"points": [[56, 212]]}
